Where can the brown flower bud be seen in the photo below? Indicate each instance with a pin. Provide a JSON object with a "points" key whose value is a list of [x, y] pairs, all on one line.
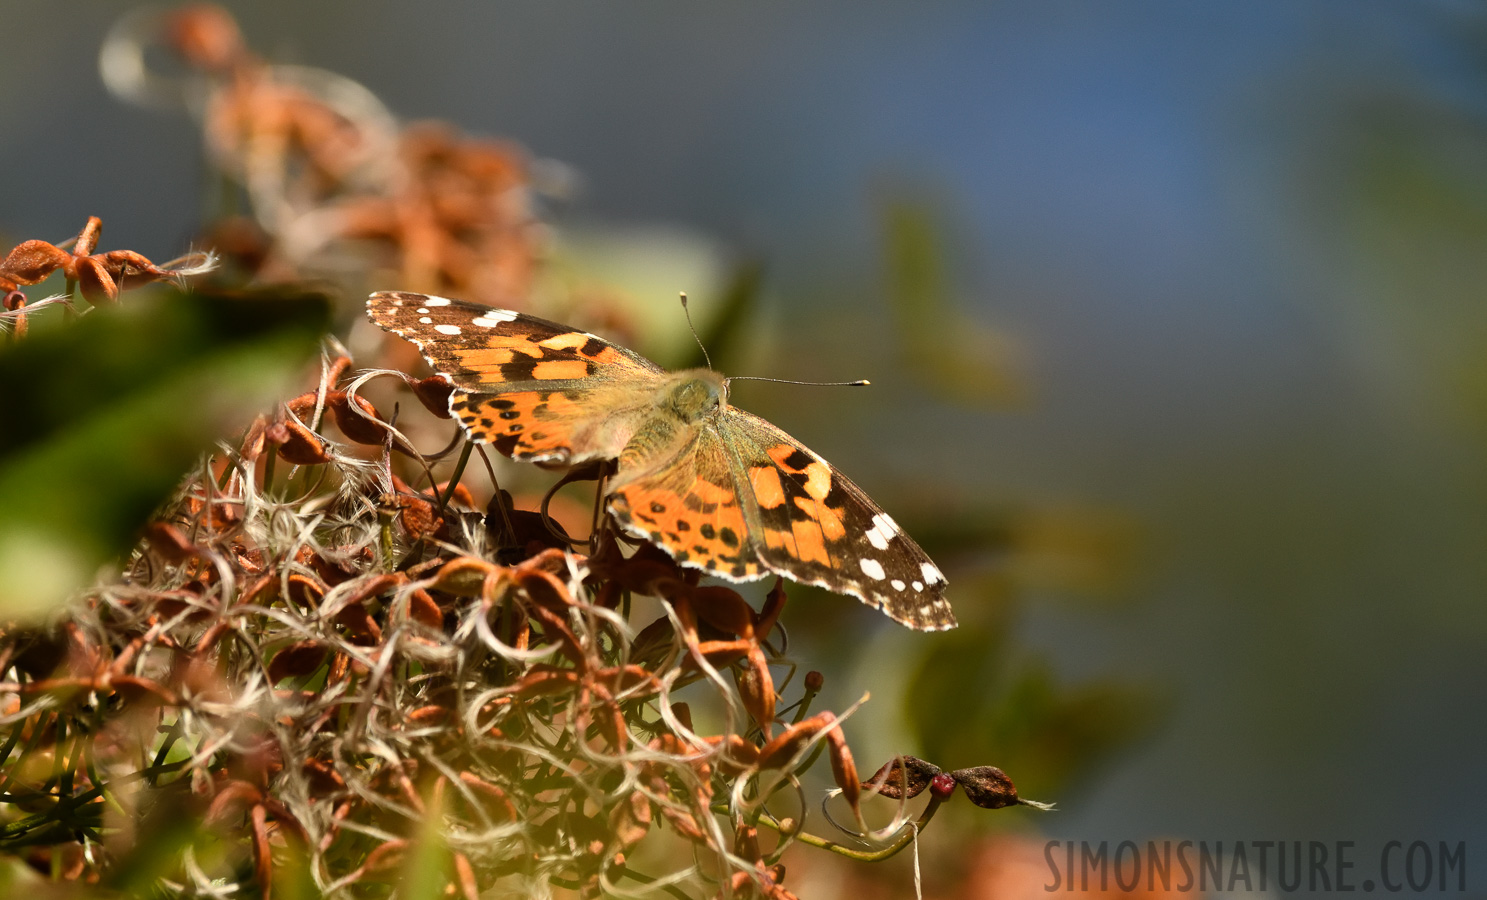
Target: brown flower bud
{"points": [[32, 261], [433, 392], [724, 609], [903, 778], [423, 610], [94, 281], [987, 786], [297, 660], [843, 769], [297, 444], [170, 542], [353, 424], [205, 36], [756, 689]]}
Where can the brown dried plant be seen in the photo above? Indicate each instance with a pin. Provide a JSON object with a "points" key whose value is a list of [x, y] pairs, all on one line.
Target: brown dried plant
{"points": [[99, 277], [314, 666]]}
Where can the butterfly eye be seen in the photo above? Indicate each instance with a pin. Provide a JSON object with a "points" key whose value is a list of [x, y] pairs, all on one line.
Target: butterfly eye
{"points": [[694, 398]]}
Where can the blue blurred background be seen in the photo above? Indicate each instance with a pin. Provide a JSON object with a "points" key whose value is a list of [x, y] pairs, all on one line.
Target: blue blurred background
{"points": [[1235, 252]]}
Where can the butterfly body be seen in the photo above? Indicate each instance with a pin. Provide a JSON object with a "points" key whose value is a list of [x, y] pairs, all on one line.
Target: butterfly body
{"points": [[718, 488]]}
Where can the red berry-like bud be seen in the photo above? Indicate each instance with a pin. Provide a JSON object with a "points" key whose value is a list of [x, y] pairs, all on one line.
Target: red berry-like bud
{"points": [[942, 786], [814, 681]]}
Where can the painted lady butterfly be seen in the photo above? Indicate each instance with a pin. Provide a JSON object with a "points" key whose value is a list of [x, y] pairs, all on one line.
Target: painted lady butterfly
{"points": [[720, 489]]}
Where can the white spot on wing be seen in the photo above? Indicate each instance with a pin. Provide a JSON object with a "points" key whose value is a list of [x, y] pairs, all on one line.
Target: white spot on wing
{"points": [[436, 301], [883, 530], [494, 318], [918, 585], [897, 585], [425, 320], [447, 329], [422, 310], [931, 574], [872, 569]]}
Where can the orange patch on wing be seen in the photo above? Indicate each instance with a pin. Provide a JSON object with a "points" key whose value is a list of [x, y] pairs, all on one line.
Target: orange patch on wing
{"points": [[724, 517], [817, 480], [484, 357], [781, 452], [830, 519], [560, 369], [708, 492], [659, 511], [567, 341], [767, 488], [558, 407], [809, 547], [643, 503], [610, 356], [531, 434]]}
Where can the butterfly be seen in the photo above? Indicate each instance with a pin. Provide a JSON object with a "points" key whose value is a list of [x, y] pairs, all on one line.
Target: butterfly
{"points": [[720, 489]]}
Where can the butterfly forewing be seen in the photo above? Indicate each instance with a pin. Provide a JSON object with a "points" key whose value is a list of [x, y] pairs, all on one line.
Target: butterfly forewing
{"points": [[487, 350], [538, 391], [817, 527]]}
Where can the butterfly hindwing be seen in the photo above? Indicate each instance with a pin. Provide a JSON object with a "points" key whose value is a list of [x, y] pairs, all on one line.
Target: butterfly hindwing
{"points": [[691, 507], [568, 426]]}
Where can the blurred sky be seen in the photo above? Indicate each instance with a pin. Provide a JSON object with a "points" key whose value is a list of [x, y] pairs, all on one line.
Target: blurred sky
{"points": [[1240, 247]]}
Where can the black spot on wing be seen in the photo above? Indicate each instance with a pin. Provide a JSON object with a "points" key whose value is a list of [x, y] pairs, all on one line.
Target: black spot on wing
{"points": [[797, 461], [524, 368]]}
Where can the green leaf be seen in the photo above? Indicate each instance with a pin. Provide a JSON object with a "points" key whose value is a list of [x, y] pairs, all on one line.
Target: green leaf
{"points": [[100, 418]]}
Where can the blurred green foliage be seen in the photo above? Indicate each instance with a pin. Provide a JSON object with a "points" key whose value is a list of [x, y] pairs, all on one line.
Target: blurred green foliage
{"points": [[976, 370], [104, 415]]}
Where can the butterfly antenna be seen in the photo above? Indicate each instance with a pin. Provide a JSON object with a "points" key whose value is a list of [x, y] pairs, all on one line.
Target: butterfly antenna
{"points": [[862, 382], [688, 313]]}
